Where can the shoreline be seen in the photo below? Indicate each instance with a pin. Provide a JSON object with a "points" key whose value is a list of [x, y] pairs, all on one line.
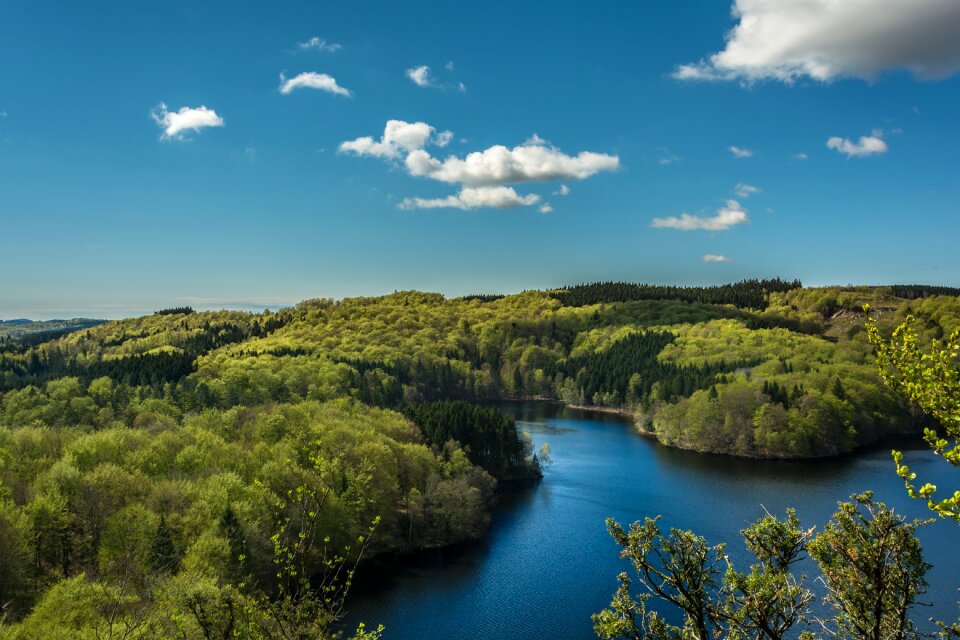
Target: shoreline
{"points": [[904, 437]]}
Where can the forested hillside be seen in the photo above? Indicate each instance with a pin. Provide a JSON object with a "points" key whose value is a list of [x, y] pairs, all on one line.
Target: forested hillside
{"points": [[169, 446], [16, 334]]}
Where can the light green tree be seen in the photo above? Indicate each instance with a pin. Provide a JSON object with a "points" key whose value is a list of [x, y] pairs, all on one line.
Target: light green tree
{"points": [[929, 378]]}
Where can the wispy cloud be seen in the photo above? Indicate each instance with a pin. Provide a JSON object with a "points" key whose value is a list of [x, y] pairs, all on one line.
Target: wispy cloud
{"points": [[712, 257], [443, 138], [319, 44], [728, 216], [176, 124], [564, 190], [800, 156], [312, 80], [745, 190], [666, 157], [867, 145], [420, 76], [740, 152], [824, 40]]}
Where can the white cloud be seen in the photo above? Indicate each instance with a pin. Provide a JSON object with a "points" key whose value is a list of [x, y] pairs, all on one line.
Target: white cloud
{"points": [[564, 190], [319, 44], [443, 138], [476, 198], [545, 208], [800, 156], [712, 257], [533, 161], [745, 190], [312, 80], [828, 39], [422, 76], [500, 165], [176, 124], [727, 216], [740, 152], [866, 146], [398, 137], [419, 75]]}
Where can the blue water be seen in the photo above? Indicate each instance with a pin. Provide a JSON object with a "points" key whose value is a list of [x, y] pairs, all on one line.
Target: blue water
{"points": [[548, 562]]}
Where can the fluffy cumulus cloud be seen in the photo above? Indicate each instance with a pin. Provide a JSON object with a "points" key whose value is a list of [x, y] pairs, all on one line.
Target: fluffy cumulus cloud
{"points": [[398, 138], [727, 216], [312, 80], [477, 198], [176, 124], [318, 44], [867, 145], [828, 39], [712, 257], [745, 190], [420, 76], [528, 162], [740, 152], [482, 176]]}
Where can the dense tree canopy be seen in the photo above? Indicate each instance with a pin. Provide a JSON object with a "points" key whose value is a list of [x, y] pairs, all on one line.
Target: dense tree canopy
{"points": [[746, 293], [168, 445]]}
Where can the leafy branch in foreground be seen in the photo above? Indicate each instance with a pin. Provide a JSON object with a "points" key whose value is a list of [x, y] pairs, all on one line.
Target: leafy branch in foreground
{"points": [[312, 580], [308, 602], [869, 558], [931, 380]]}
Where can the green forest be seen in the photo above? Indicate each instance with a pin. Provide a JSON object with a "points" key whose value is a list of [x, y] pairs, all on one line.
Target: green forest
{"points": [[191, 474]]}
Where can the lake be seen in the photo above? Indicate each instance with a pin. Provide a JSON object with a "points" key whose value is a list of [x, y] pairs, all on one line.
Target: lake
{"points": [[548, 562]]}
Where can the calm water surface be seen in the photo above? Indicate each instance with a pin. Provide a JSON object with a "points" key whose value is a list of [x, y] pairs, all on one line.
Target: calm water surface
{"points": [[548, 562]]}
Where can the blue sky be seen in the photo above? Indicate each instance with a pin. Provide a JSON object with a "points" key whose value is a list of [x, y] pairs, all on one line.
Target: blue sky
{"points": [[103, 214]]}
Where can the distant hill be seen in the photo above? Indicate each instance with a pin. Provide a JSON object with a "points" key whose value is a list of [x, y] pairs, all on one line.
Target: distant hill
{"points": [[20, 327]]}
